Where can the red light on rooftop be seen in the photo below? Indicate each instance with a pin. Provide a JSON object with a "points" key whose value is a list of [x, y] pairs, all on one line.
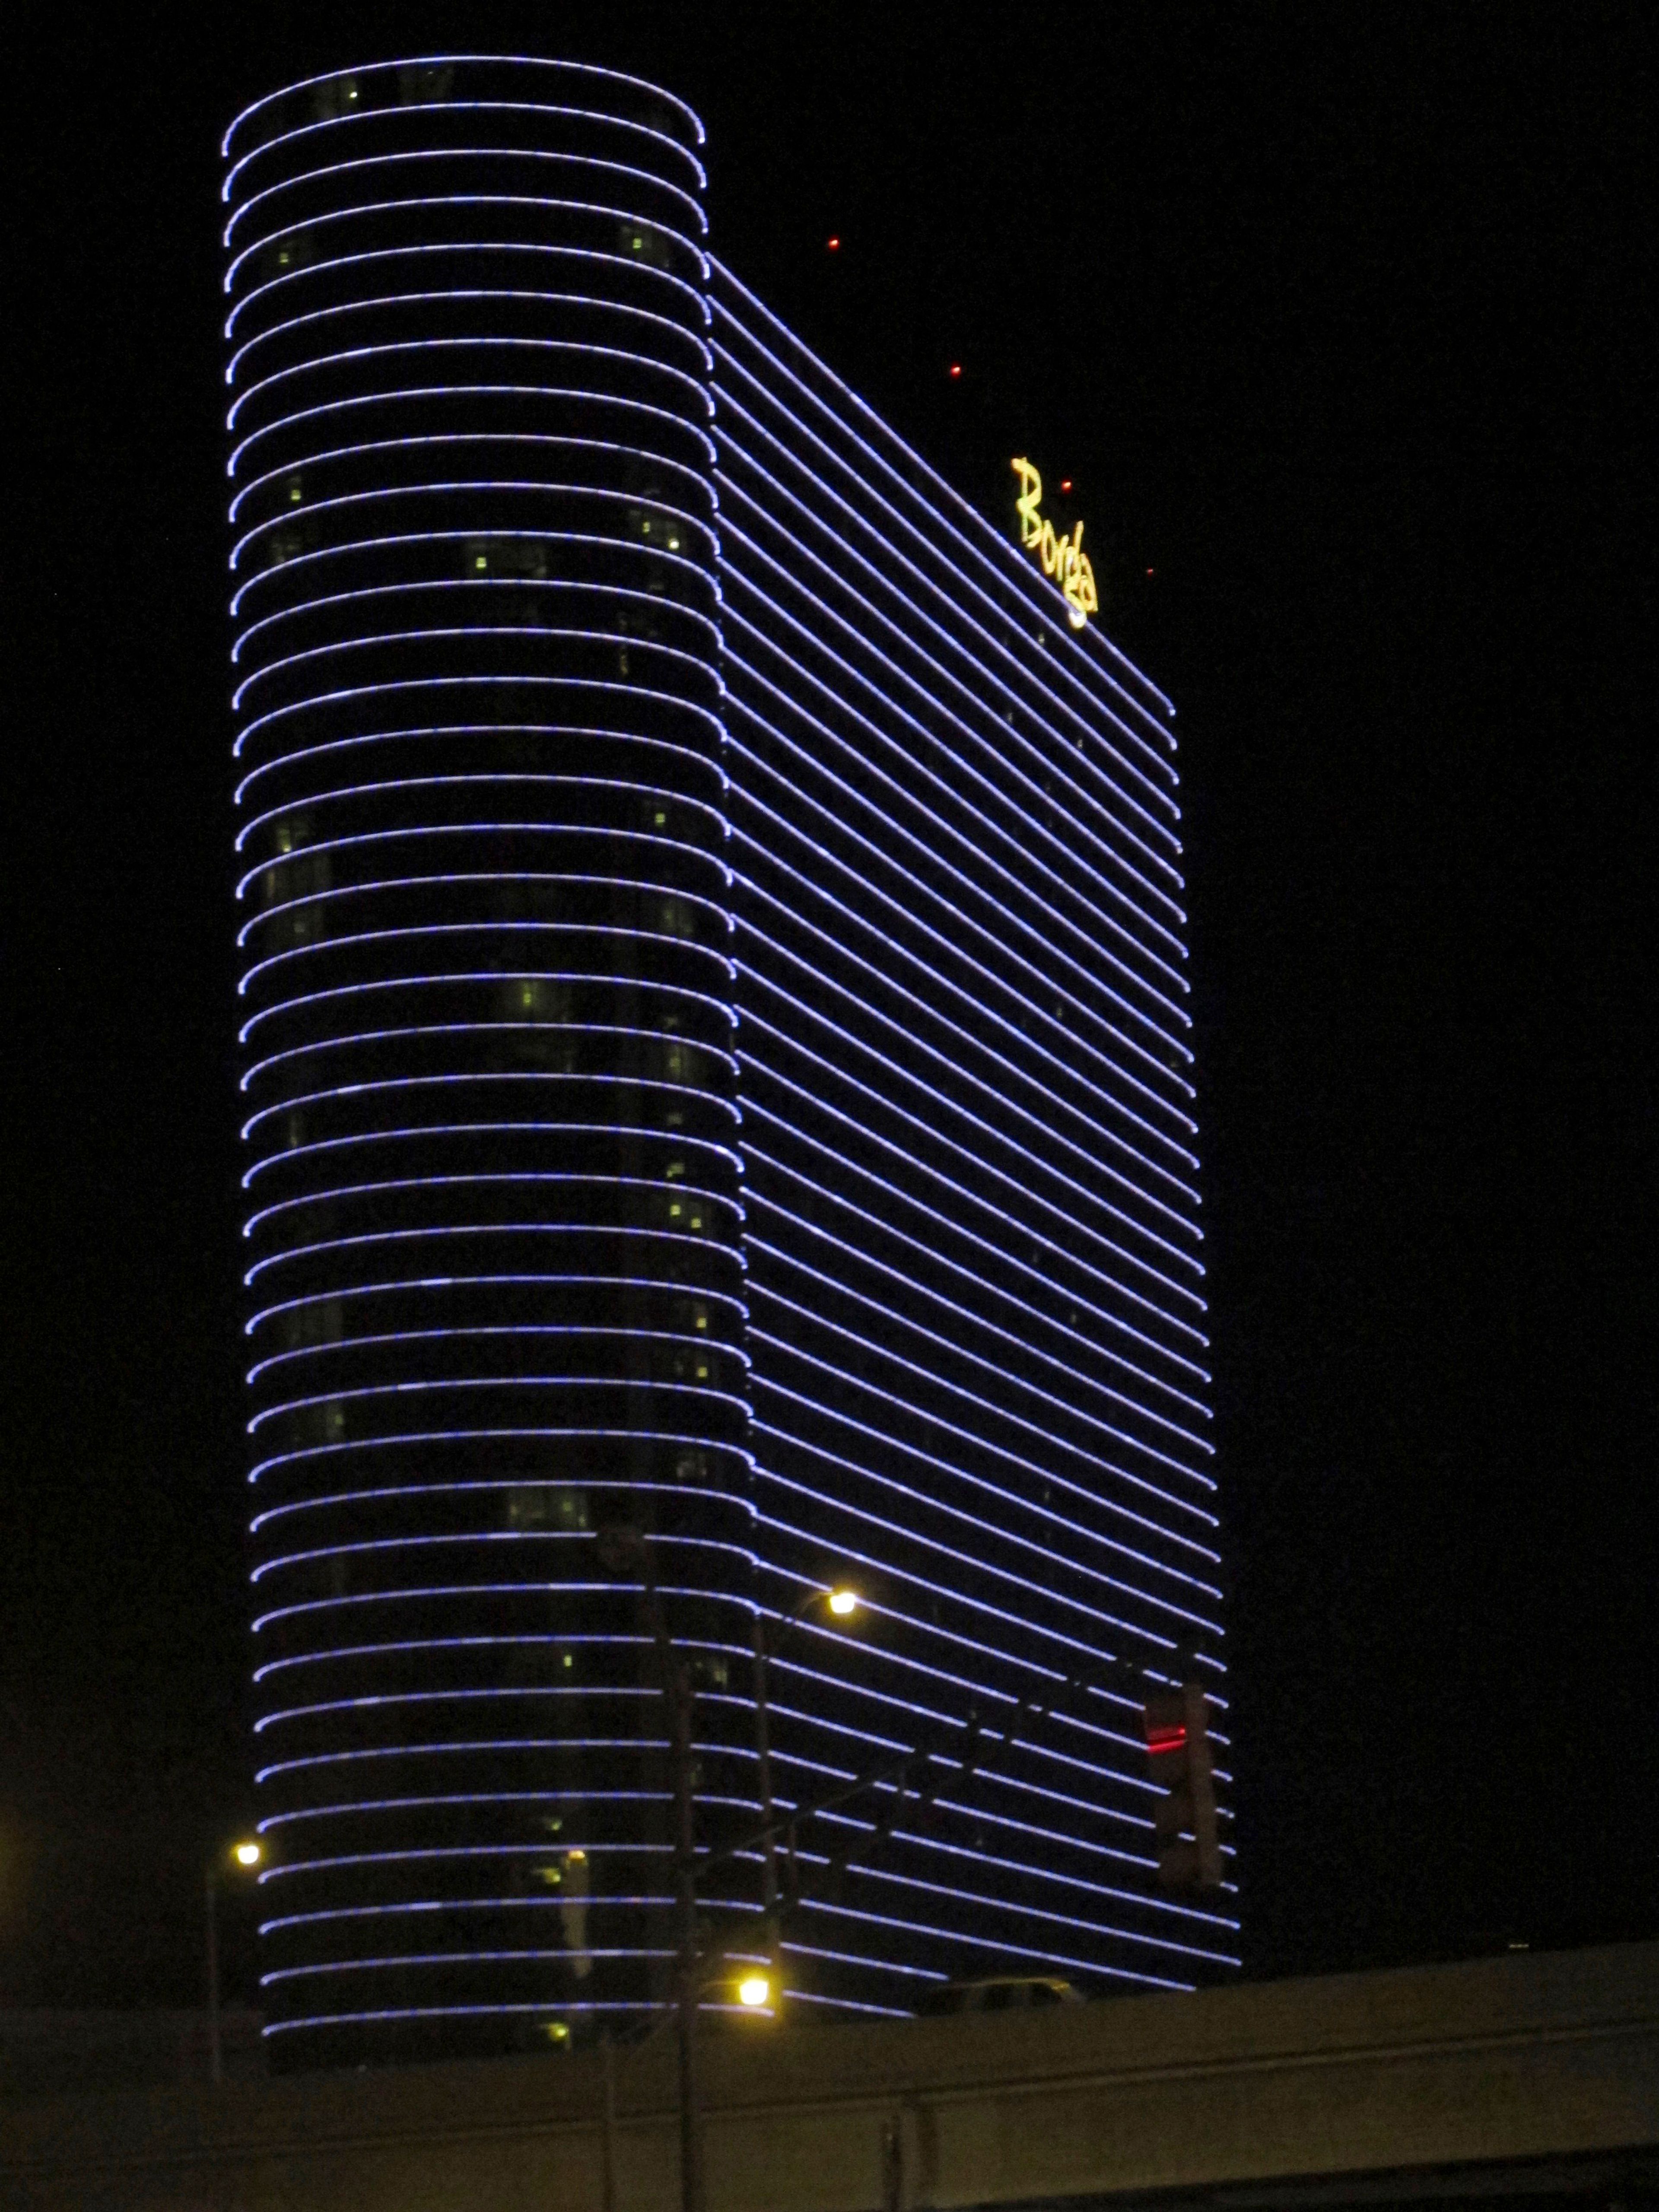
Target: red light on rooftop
{"points": [[1066, 483], [832, 245], [955, 368], [1151, 572]]}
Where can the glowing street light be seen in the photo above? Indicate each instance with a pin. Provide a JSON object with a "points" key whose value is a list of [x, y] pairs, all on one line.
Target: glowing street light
{"points": [[245, 1857], [754, 1990], [842, 1601]]}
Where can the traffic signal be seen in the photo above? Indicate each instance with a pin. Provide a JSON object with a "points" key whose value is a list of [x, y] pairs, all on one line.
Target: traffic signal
{"points": [[1178, 1758]]}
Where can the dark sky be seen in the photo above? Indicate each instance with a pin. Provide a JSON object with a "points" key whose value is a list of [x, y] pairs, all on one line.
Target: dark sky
{"points": [[1340, 320]]}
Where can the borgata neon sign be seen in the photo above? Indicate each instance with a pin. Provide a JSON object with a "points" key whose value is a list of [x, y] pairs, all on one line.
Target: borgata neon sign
{"points": [[1062, 558]]}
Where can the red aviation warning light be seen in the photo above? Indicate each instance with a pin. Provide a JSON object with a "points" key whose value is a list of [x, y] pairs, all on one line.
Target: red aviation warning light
{"points": [[1178, 1758]]}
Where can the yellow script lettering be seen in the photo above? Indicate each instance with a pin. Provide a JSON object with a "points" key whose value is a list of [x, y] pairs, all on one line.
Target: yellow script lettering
{"points": [[1062, 558]]}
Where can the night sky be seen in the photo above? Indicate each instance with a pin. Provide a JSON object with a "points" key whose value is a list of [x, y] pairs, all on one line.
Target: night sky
{"points": [[1340, 322]]}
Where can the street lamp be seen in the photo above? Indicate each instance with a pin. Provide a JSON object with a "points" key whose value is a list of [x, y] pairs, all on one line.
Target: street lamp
{"points": [[246, 1855], [842, 1601], [622, 1547]]}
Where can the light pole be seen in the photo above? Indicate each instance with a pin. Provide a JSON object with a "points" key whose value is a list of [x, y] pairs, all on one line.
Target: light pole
{"points": [[843, 1602], [620, 1547], [246, 1855]]}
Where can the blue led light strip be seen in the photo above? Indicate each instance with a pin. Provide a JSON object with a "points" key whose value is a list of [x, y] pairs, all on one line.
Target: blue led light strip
{"points": [[879, 1313]]}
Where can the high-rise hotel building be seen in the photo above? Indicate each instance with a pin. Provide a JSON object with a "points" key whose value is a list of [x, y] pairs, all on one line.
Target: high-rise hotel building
{"points": [[715, 1060]]}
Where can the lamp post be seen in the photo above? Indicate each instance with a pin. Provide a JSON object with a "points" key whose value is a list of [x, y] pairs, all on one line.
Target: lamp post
{"points": [[621, 1546], [843, 1602], [246, 1855]]}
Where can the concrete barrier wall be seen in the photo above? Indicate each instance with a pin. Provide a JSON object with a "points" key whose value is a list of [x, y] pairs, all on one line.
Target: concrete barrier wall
{"points": [[1476, 2066]]}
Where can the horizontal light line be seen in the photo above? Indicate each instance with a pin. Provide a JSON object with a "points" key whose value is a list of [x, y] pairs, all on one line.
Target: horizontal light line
{"points": [[986, 1286], [870, 1013], [456, 248], [636, 549], [934, 1178], [973, 653], [1048, 977], [634, 693], [866, 686], [476, 1282], [351, 940], [483, 1485], [549, 634], [405, 586], [424, 1386], [484, 154], [634, 1334], [352, 210], [760, 1288], [1059, 924], [486, 1178], [540, 1431], [1025, 1195], [868, 891], [525, 62], [429, 979], [699, 527], [349, 403]]}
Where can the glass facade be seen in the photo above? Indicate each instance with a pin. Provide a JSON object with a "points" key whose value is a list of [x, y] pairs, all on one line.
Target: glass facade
{"points": [[714, 1059]]}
